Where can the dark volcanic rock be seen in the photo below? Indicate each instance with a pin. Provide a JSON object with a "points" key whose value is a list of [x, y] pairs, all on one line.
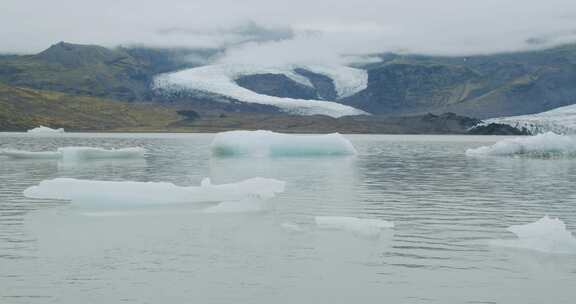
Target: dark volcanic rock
{"points": [[276, 85], [497, 129], [324, 85]]}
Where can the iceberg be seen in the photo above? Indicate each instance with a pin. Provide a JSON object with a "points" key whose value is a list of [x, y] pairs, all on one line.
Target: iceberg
{"points": [[45, 130], [548, 235], [358, 226], [221, 80], [270, 144], [541, 145], [68, 154], [92, 193], [561, 120]]}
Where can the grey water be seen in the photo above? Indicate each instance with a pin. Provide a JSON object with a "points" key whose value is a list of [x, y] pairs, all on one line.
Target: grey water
{"points": [[447, 209]]}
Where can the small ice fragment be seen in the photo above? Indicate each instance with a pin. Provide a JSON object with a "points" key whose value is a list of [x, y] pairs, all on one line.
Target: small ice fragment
{"points": [[74, 154], [269, 144], [45, 130], [548, 235], [292, 227], [543, 145]]}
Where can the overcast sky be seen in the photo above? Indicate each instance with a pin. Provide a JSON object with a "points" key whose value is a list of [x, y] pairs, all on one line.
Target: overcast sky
{"points": [[292, 31]]}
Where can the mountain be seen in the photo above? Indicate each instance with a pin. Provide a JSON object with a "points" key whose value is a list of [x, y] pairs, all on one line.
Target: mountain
{"points": [[23, 108], [478, 86], [486, 86], [89, 70]]}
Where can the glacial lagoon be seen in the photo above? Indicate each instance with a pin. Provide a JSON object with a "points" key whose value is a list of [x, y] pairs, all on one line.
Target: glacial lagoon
{"points": [[450, 213]]}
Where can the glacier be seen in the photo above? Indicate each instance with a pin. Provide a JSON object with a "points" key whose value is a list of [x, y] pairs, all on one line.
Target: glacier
{"points": [[542, 145], [45, 130], [220, 79], [93, 193], [357, 226], [269, 144], [69, 154], [548, 235], [560, 120]]}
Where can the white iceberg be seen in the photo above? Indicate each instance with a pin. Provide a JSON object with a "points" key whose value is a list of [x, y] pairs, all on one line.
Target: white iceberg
{"points": [[548, 235], [269, 144], [68, 154], [541, 145], [221, 80], [93, 193], [45, 130], [560, 120], [358, 226]]}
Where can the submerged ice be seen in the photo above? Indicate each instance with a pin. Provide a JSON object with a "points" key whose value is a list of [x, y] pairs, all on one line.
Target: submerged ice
{"points": [[247, 195], [548, 235], [267, 143], [357, 226], [68, 154], [543, 145]]}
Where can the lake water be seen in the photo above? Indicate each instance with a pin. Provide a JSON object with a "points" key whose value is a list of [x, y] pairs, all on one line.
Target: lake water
{"points": [[447, 209]]}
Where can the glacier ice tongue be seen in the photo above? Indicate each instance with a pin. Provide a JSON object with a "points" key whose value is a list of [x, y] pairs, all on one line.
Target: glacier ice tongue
{"points": [[221, 80], [541, 145], [270, 144], [561, 120], [548, 235], [92, 193]]}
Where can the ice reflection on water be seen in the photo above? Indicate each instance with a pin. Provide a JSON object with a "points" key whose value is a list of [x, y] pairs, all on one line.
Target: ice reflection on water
{"points": [[446, 208]]}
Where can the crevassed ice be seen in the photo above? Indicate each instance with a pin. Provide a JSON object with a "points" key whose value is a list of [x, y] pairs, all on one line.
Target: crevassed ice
{"points": [[358, 226], [547, 235], [560, 120], [541, 145], [221, 80], [266, 144], [45, 130], [77, 153], [92, 193]]}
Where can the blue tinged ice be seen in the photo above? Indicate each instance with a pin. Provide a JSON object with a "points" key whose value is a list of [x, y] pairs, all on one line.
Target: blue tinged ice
{"points": [[270, 144]]}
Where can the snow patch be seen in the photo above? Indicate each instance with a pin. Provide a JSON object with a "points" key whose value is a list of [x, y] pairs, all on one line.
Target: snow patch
{"points": [[92, 193], [270, 144], [221, 80], [548, 235], [542, 145], [560, 120]]}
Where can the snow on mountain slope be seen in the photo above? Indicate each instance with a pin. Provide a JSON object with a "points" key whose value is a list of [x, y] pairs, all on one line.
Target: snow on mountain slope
{"points": [[221, 80], [560, 120]]}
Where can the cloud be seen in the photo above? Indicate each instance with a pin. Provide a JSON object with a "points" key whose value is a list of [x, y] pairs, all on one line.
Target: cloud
{"points": [[272, 32]]}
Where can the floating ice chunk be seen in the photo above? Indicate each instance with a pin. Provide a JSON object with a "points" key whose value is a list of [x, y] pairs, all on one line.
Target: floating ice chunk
{"points": [[542, 145], [45, 130], [292, 227], [267, 143], [358, 226], [127, 193], [18, 154], [68, 154], [249, 204], [547, 235]]}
